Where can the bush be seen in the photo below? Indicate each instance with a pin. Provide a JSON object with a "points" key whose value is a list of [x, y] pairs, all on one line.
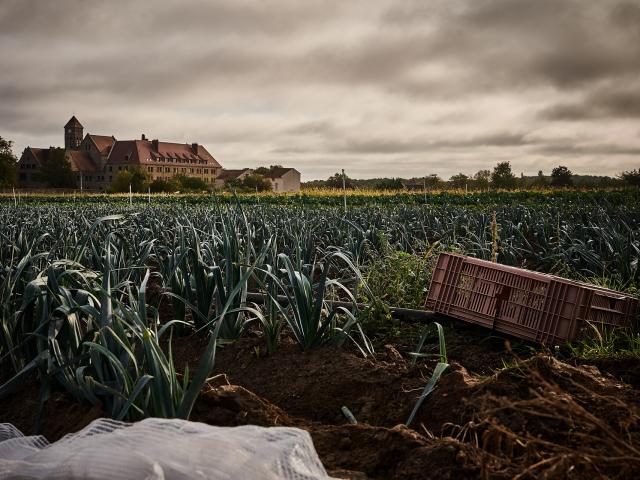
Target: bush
{"points": [[190, 184], [136, 177], [160, 185]]}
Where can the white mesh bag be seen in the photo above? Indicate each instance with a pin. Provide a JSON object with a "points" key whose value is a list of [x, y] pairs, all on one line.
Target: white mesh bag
{"points": [[162, 449]]}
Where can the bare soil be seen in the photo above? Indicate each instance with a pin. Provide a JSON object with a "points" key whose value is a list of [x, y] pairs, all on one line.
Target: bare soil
{"points": [[537, 418]]}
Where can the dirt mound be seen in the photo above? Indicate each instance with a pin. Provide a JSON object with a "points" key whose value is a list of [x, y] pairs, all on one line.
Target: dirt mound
{"points": [[625, 369], [390, 453], [314, 385], [348, 451], [231, 405], [537, 418], [546, 419]]}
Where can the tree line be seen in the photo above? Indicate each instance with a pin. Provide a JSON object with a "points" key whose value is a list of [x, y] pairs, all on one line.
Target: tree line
{"points": [[501, 177]]}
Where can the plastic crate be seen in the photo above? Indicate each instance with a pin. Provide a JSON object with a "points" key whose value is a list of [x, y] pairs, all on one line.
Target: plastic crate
{"points": [[530, 305]]}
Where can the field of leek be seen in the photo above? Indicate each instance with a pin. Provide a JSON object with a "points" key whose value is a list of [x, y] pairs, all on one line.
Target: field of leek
{"points": [[93, 288]]}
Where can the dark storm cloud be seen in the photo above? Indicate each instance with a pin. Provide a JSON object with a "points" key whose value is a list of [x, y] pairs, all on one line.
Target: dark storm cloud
{"points": [[597, 149], [404, 82], [610, 102]]}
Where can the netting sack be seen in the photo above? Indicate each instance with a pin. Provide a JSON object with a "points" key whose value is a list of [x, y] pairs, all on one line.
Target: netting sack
{"points": [[162, 449]]}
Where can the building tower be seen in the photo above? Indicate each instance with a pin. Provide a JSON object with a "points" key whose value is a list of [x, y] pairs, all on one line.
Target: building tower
{"points": [[73, 134]]}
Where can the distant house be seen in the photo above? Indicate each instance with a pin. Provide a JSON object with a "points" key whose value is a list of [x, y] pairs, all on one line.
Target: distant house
{"points": [[284, 179], [228, 175], [97, 159]]}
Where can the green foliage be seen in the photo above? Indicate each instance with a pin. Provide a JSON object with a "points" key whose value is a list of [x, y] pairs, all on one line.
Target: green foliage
{"points": [[137, 178], [190, 184], [162, 185], [256, 183], [561, 176], [8, 165], [56, 171], [389, 184], [600, 342], [631, 178], [540, 181], [73, 289], [459, 181], [251, 183], [482, 179], [400, 278], [439, 369], [336, 181], [503, 177]]}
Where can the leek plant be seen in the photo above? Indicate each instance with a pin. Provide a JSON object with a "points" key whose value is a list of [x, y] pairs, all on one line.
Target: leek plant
{"points": [[308, 315], [439, 369]]}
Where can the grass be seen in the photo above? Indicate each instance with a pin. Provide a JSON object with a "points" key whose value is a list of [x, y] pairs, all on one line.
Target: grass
{"points": [[600, 342]]}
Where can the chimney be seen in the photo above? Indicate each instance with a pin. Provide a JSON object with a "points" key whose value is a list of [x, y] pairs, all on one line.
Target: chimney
{"points": [[143, 137], [194, 147], [155, 144]]}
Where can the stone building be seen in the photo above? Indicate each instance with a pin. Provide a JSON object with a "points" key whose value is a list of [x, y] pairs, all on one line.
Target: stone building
{"points": [[284, 179], [97, 159]]}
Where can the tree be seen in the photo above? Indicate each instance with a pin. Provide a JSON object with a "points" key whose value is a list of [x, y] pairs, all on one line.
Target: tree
{"points": [[540, 181], [136, 177], [257, 182], [481, 179], [335, 181], [388, 184], [561, 177], [8, 165], [190, 184], [160, 185], [502, 176], [459, 181], [631, 178], [265, 170], [432, 181], [56, 172]]}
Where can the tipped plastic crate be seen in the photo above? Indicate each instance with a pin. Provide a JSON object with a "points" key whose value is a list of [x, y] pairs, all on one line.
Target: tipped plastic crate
{"points": [[530, 305]]}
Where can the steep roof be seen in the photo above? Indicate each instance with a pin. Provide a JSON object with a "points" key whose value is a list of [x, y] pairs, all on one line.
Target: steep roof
{"points": [[73, 122], [41, 154], [231, 174], [278, 172], [149, 151], [81, 161], [102, 142]]}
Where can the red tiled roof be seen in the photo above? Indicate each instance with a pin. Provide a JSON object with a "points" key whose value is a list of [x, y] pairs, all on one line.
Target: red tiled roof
{"points": [[103, 142], [146, 151], [41, 154], [81, 161]]}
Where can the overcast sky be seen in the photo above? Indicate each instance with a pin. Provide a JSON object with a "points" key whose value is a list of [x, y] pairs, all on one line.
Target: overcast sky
{"points": [[380, 88]]}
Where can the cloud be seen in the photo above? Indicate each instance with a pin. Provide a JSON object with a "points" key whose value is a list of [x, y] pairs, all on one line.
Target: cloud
{"points": [[375, 86], [606, 103]]}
